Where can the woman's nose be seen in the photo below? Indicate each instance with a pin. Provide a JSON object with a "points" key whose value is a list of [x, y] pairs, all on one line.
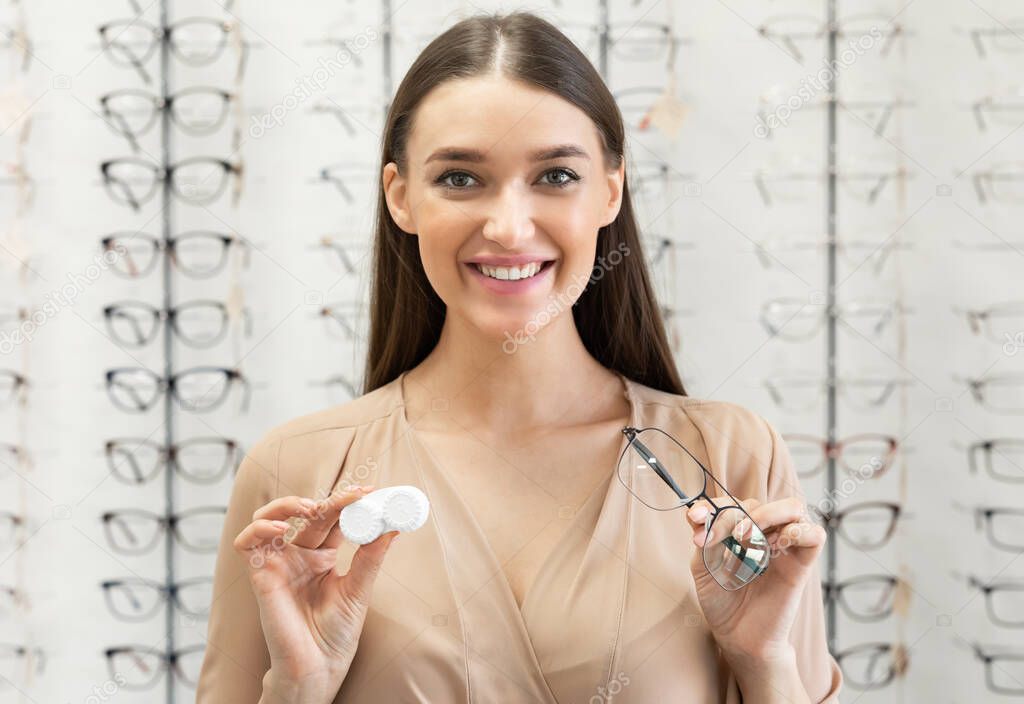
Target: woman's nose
{"points": [[510, 220]]}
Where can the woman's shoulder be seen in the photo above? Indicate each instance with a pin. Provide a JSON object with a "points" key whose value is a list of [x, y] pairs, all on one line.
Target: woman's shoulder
{"points": [[727, 434], [303, 453]]}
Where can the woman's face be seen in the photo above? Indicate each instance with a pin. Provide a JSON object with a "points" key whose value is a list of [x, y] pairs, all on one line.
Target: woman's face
{"points": [[511, 178]]}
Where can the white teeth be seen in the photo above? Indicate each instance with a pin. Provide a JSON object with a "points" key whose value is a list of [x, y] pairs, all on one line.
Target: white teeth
{"points": [[506, 273]]}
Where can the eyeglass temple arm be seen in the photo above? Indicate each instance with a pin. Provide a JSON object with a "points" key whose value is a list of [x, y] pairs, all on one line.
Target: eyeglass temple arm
{"points": [[651, 460]]}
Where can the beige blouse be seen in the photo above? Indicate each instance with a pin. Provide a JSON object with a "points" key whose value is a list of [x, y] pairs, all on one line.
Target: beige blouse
{"points": [[612, 615]]}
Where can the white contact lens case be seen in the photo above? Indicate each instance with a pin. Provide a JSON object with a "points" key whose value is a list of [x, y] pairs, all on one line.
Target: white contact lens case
{"points": [[402, 508]]}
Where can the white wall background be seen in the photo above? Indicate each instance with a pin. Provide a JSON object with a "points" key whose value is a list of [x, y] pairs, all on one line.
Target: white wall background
{"points": [[950, 250]]}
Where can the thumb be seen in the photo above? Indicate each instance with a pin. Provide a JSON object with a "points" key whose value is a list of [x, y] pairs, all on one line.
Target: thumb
{"points": [[366, 564]]}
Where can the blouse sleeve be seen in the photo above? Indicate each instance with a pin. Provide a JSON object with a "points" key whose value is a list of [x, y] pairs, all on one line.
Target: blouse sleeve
{"points": [[236, 656], [818, 669]]}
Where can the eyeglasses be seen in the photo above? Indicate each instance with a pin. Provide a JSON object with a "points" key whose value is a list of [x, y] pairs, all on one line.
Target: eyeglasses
{"points": [[664, 475], [196, 41], [867, 598], [1002, 183], [797, 320], [199, 460], [13, 387], [802, 392], [1000, 393], [13, 600], [1004, 39], [140, 667], [339, 388], [649, 173], [10, 524], [864, 184], [633, 42], [855, 253], [139, 599], [1003, 110], [867, 455], [1000, 322], [873, 665], [14, 36], [135, 532], [1004, 599], [199, 323], [348, 256], [338, 174], [1002, 457], [16, 661], [197, 111], [866, 526], [787, 31], [1004, 527], [346, 320], [198, 390], [14, 456], [1004, 666], [197, 254], [354, 118], [198, 180], [856, 114]]}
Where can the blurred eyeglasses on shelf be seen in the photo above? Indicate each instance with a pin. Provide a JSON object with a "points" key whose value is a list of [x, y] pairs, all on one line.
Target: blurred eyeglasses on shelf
{"points": [[13, 601], [775, 112], [868, 525], [1005, 109], [198, 180], [866, 456], [790, 32], [17, 662], [647, 107], [136, 532], [14, 458], [135, 599], [868, 598], [357, 120], [13, 388], [201, 460], [14, 174], [12, 526], [855, 253], [197, 390], [865, 185], [348, 254], [1002, 458], [344, 176], [803, 391], [1004, 598], [200, 323], [141, 667], [1004, 665], [661, 250], [195, 41], [1000, 322], [652, 179], [663, 475], [347, 321], [196, 254], [1001, 183], [1001, 393], [340, 388], [797, 319], [1003, 526], [639, 41], [873, 665], [14, 37], [1001, 40], [198, 111]]}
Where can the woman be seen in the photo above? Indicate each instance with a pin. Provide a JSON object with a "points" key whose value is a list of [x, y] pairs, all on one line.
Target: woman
{"points": [[514, 333]]}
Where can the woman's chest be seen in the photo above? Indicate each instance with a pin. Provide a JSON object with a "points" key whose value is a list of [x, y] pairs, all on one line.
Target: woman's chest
{"points": [[524, 497]]}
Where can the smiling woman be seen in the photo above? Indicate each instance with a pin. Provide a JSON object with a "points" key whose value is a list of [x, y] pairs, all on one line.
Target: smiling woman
{"points": [[504, 213]]}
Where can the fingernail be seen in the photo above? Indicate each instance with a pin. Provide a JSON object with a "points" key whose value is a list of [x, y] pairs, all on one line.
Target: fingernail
{"points": [[282, 524], [307, 503], [366, 489]]}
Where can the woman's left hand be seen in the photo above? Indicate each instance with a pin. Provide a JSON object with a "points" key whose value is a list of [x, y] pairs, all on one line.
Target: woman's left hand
{"points": [[754, 621]]}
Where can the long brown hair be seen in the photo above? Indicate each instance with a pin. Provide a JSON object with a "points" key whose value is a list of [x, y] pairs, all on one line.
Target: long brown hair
{"points": [[617, 315]]}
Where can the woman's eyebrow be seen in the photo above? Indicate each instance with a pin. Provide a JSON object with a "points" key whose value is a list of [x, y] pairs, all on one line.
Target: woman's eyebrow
{"points": [[476, 156]]}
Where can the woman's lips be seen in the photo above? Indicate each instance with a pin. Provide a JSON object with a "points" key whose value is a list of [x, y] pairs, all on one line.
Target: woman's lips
{"points": [[512, 288]]}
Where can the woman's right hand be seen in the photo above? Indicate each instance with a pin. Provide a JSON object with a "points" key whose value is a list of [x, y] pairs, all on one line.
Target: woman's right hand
{"points": [[312, 617]]}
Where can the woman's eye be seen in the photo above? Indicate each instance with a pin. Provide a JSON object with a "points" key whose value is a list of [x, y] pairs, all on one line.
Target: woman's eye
{"points": [[457, 180], [570, 177]]}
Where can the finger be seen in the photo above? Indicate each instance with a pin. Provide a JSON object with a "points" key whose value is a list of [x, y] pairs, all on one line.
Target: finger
{"points": [[798, 535], [776, 514], [334, 537], [697, 514], [286, 507], [314, 531], [259, 532], [365, 567]]}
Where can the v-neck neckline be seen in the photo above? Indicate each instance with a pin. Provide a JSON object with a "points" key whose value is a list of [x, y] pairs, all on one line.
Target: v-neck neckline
{"points": [[545, 565]]}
